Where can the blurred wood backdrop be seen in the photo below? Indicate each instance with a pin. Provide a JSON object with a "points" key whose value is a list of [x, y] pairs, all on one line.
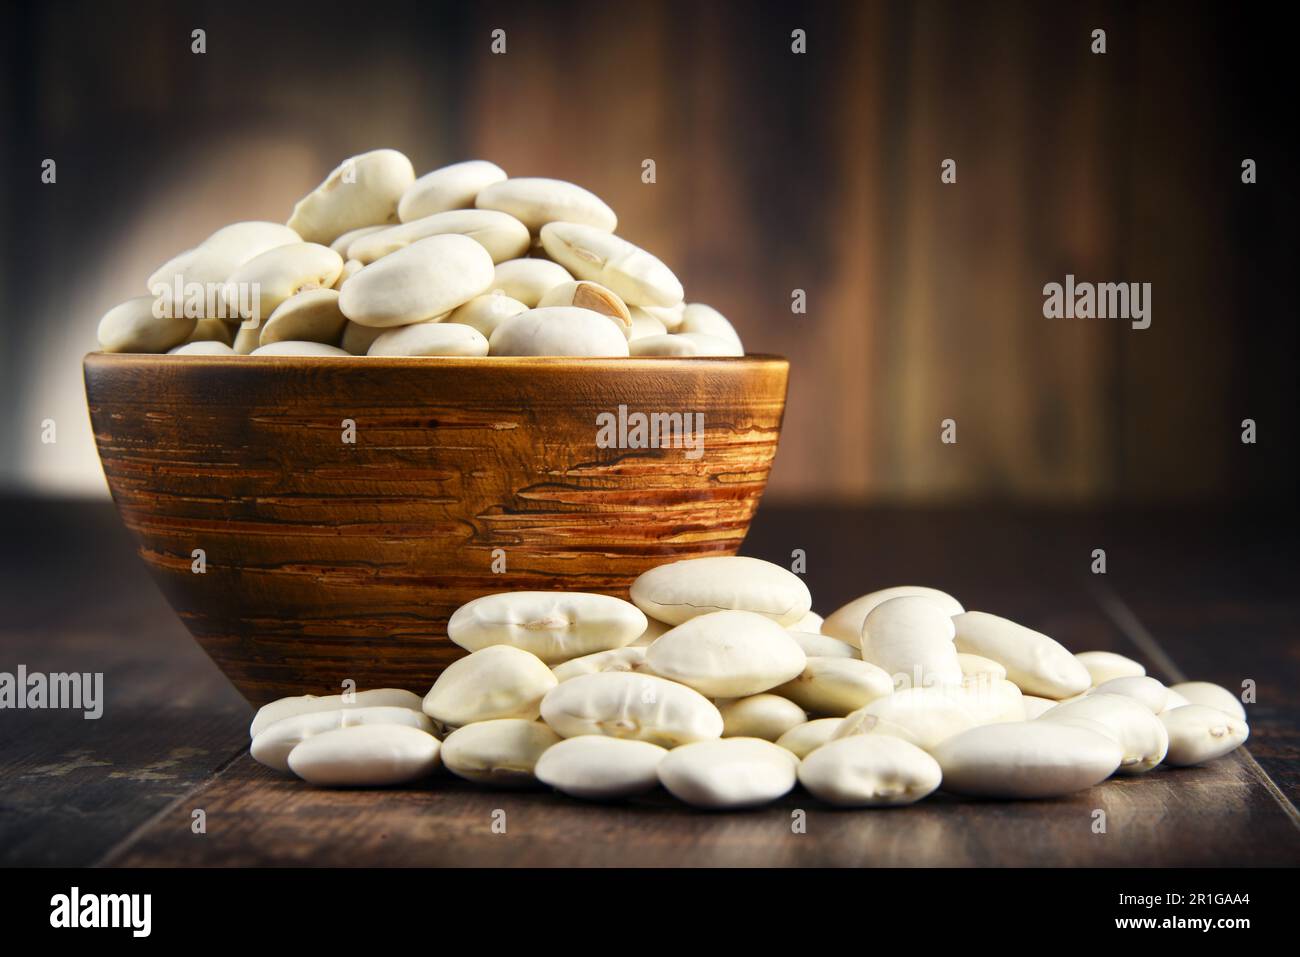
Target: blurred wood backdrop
{"points": [[775, 171]]}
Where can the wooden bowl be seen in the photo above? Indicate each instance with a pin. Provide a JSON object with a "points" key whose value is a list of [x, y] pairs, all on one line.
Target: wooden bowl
{"points": [[325, 560]]}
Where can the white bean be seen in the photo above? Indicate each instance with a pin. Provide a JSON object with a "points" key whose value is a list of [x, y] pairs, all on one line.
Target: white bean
{"points": [[494, 682], [1125, 721], [1210, 695], [306, 704], [173, 270], [1036, 707], [361, 191], [992, 699], [450, 187], [528, 280], [670, 316], [910, 637], [869, 771], [811, 623], [342, 244], [638, 278], [1199, 733], [600, 768], [358, 339], [430, 339], [214, 259], [729, 773], [1147, 690], [653, 630], [202, 348], [1036, 663], [536, 201], [309, 316], [246, 339], [502, 237], [274, 743], [1104, 665], [685, 344], [624, 704], [350, 268], [803, 739], [257, 288], [629, 658], [845, 623], [765, 716], [836, 686], [558, 331], [727, 654], [678, 591], [974, 665], [924, 717], [424, 280], [642, 325], [291, 347], [554, 625], [1034, 759], [593, 296], [131, 326], [700, 319], [213, 330], [367, 755], [501, 753], [823, 646], [486, 312]]}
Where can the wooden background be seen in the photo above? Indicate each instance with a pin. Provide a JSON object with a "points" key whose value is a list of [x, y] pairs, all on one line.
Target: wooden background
{"points": [[775, 172]]}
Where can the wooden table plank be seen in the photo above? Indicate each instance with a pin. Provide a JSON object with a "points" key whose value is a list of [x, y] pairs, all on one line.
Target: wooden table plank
{"points": [[1029, 566], [77, 599], [1207, 816]]}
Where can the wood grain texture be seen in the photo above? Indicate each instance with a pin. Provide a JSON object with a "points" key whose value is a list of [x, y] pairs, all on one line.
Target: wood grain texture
{"points": [[260, 818], [328, 560], [1032, 567], [77, 600], [775, 172], [1210, 591]]}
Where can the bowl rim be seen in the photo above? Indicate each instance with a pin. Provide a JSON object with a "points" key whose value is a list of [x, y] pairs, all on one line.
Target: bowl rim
{"points": [[754, 361]]}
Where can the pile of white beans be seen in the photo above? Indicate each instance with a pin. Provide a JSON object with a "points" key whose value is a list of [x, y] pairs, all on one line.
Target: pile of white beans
{"points": [[718, 683], [462, 261]]}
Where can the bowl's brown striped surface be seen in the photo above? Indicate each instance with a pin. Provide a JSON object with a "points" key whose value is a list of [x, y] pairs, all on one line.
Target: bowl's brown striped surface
{"points": [[327, 560]]}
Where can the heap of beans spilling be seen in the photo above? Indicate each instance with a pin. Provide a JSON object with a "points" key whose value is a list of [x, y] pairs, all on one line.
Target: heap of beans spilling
{"points": [[463, 261], [718, 683]]}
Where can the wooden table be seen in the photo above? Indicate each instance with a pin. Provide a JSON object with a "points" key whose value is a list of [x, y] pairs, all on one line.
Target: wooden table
{"points": [[1191, 594]]}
